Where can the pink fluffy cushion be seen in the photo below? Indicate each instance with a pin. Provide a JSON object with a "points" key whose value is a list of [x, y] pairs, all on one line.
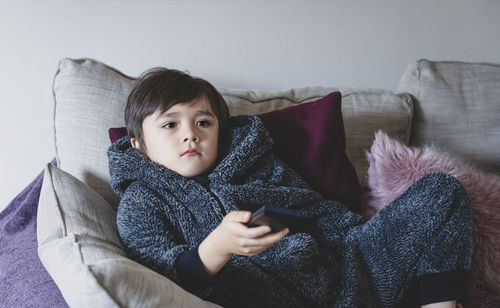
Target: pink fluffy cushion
{"points": [[394, 167]]}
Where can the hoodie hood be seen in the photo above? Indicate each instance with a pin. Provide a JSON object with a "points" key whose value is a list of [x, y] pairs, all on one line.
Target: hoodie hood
{"points": [[244, 143]]}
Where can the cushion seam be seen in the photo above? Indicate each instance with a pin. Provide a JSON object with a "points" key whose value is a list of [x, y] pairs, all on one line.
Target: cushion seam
{"points": [[54, 112], [59, 211], [86, 267], [301, 100]]}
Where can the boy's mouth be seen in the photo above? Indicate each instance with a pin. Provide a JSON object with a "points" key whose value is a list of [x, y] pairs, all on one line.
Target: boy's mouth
{"points": [[191, 152]]}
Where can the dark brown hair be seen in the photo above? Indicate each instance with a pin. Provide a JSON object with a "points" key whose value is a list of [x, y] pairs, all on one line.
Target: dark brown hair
{"points": [[160, 88]]}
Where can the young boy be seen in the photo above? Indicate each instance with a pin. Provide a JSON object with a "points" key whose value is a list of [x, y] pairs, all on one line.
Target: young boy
{"points": [[190, 176]]}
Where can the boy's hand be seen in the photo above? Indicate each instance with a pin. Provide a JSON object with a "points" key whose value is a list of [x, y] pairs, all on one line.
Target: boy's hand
{"points": [[232, 236]]}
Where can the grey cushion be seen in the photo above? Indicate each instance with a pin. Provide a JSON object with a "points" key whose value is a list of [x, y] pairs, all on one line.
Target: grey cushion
{"points": [[78, 244], [457, 108], [90, 97]]}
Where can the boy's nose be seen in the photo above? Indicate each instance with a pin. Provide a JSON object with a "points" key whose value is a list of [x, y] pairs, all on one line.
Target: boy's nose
{"points": [[190, 134], [193, 138]]}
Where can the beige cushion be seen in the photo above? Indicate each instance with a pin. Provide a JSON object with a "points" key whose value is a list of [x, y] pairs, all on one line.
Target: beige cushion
{"points": [[90, 97], [457, 108], [78, 244]]}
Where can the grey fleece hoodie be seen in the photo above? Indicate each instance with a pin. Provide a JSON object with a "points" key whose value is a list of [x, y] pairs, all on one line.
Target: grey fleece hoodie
{"points": [[320, 264]]}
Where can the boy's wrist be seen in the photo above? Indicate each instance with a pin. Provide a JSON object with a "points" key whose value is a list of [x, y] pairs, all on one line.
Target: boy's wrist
{"points": [[212, 257], [215, 247]]}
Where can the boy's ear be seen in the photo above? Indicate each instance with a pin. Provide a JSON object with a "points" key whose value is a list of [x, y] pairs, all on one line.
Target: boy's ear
{"points": [[134, 143]]}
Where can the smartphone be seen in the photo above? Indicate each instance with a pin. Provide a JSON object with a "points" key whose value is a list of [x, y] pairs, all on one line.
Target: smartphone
{"points": [[276, 217]]}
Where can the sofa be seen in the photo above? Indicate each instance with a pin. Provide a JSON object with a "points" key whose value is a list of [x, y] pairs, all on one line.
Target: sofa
{"points": [[60, 242]]}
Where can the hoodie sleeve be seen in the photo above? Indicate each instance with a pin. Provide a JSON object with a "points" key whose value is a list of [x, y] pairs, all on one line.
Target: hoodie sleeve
{"points": [[148, 234]]}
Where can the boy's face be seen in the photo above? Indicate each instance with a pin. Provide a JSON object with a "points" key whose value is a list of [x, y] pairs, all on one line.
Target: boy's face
{"points": [[183, 139]]}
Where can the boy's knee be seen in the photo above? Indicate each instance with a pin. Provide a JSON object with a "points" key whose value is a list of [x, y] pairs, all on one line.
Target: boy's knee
{"points": [[442, 178], [448, 210], [444, 184], [446, 195]]}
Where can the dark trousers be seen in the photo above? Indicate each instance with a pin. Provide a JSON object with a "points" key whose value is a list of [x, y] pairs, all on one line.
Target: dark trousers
{"points": [[426, 230]]}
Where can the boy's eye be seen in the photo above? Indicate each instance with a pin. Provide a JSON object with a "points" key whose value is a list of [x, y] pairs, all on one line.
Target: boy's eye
{"points": [[170, 125], [203, 123]]}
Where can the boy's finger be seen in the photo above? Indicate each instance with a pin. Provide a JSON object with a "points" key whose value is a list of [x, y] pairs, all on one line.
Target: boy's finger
{"points": [[240, 216], [278, 235], [256, 232], [267, 240], [240, 229]]}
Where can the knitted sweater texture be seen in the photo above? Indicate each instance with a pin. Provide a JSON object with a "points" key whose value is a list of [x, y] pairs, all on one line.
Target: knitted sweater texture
{"points": [[330, 261]]}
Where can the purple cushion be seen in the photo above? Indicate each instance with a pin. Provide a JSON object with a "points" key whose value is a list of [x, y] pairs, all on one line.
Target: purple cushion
{"points": [[310, 138], [394, 167], [24, 282]]}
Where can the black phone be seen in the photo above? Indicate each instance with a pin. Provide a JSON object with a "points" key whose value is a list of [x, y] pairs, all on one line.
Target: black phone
{"points": [[276, 217]]}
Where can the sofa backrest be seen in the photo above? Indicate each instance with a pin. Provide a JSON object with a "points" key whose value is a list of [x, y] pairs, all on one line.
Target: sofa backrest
{"points": [[457, 109], [90, 98]]}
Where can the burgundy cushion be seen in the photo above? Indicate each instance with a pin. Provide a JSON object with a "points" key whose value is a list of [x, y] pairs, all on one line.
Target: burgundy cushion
{"points": [[310, 138], [117, 133]]}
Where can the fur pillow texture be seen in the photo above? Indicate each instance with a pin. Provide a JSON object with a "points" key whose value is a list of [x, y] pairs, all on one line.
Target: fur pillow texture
{"points": [[394, 167]]}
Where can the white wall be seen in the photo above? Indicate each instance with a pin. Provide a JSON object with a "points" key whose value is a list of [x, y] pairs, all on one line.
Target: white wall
{"points": [[239, 44]]}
